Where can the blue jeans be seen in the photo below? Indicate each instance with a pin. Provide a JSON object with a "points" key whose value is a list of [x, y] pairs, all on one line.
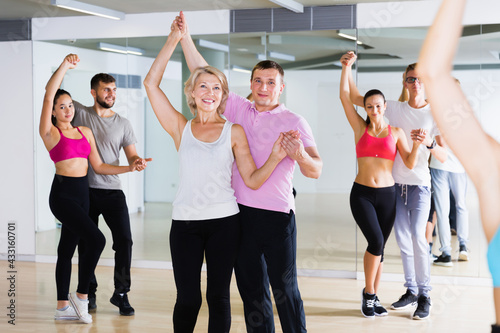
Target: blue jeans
{"points": [[268, 255], [412, 209], [442, 183]]}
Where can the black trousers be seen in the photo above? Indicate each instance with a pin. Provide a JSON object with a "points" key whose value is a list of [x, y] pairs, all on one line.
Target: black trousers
{"points": [[112, 205], [268, 255], [217, 241], [69, 202], [374, 210]]}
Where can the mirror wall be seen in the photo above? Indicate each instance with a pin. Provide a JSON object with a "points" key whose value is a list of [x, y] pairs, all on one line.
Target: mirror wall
{"points": [[328, 239]]}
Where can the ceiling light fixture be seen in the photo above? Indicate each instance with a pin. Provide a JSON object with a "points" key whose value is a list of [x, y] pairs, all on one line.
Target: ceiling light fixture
{"points": [[341, 34], [241, 69], [213, 46], [281, 56], [294, 6], [89, 9], [120, 49]]}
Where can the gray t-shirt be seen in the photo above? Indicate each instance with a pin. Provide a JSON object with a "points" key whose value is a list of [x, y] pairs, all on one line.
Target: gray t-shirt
{"points": [[111, 134]]}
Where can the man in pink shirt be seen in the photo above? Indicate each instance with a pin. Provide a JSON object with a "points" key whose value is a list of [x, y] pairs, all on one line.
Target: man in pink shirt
{"points": [[268, 232]]}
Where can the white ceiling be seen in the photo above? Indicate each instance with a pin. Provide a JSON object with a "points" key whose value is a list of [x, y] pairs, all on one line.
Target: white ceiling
{"points": [[10, 9]]}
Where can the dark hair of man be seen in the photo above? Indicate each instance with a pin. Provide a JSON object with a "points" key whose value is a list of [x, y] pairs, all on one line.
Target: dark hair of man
{"points": [[269, 64], [101, 77], [371, 93]]}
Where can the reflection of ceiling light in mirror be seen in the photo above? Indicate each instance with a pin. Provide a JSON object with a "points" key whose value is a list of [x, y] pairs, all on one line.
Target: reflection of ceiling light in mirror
{"points": [[213, 46], [241, 69], [281, 56], [350, 37], [120, 49], [242, 50], [261, 56], [89, 9], [294, 6]]}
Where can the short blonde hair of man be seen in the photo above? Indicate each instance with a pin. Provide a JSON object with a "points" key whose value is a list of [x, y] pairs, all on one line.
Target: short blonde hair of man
{"points": [[191, 82]]}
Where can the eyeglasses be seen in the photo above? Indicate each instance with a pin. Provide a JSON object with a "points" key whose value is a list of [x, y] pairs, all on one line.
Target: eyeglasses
{"points": [[411, 79]]}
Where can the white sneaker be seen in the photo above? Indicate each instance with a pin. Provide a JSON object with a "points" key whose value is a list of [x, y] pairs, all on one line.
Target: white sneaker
{"points": [[81, 307], [68, 314]]}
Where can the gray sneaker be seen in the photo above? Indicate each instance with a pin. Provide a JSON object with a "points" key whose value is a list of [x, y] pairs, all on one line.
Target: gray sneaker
{"points": [[81, 307], [423, 308], [67, 314], [405, 301]]}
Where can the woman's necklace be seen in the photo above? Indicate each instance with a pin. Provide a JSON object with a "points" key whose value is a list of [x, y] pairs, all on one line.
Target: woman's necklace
{"points": [[383, 128]]}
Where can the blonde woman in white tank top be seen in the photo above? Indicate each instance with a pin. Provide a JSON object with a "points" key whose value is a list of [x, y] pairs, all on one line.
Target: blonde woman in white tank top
{"points": [[205, 221]]}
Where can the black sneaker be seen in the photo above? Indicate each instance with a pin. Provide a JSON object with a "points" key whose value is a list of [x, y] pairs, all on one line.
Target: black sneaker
{"points": [[463, 254], [495, 328], [367, 304], [423, 308], [380, 311], [443, 260], [405, 301], [121, 301], [92, 301]]}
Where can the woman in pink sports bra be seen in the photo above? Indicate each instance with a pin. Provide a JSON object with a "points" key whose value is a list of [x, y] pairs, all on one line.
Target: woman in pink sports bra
{"points": [[72, 149], [373, 195]]}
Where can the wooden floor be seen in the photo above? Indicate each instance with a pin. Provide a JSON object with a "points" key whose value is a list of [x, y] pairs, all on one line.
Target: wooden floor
{"points": [[331, 305]]}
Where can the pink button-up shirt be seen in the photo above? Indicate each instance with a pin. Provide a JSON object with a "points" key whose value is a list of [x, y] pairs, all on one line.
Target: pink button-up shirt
{"points": [[262, 130]]}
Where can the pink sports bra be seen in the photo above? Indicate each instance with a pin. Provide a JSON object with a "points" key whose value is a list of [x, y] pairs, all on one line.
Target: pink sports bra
{"points": [[370, 146], [68, 148]]}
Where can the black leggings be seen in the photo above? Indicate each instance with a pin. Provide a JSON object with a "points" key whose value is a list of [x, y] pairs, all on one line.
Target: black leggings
{"points": [[374, 210], [217, 240], [69, 202]]}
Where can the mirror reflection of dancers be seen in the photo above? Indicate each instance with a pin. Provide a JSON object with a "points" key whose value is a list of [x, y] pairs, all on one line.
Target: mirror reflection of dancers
{"points": [[373, 195], [71, 149]]}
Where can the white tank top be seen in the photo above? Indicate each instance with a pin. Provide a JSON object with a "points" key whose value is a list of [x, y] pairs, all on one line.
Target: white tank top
{"points": [[205, 170]]}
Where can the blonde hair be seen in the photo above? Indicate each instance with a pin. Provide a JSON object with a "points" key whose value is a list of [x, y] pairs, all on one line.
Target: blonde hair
{"points": [[404, 97], [191, 82]]}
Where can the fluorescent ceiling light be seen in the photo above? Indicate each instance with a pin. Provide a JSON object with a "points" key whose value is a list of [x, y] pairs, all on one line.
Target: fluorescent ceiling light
{"points": [[120, 49], [261, 56], [213, 46], [89, 9], [241, 69], [350, 37], [294, 6], [281, 56]]}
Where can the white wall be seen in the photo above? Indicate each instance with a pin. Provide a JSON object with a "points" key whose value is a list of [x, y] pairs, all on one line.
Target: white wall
{"points": [[17, 190]]}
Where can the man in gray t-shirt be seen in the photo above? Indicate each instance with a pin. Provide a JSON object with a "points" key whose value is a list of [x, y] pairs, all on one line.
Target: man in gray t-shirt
{"points": [[112, 133]]}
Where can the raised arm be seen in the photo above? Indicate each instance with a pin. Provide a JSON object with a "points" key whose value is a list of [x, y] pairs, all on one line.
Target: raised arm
{"points": [[253, 177], [356, 97], [46, 128], [357, 123], [170, 119], [409, 157], [477, 151], [194, 59]]}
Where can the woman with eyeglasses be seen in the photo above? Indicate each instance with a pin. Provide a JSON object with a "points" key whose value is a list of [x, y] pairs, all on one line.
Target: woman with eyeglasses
{"points": [[478, 152], [373, 195], [412, 189]]}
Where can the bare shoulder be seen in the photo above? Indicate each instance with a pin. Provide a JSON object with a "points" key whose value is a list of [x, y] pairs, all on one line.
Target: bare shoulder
{"points": [[87, 132]]}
